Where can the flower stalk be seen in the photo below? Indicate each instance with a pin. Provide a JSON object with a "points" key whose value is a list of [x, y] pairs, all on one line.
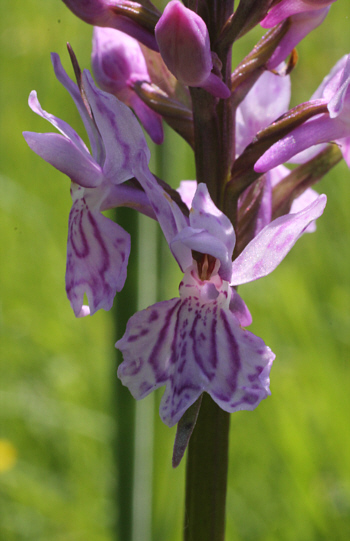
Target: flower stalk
{"points": [[206, 474]]}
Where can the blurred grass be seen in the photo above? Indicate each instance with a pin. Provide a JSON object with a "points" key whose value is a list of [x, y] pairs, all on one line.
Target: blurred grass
{"points": [[289, 466]]}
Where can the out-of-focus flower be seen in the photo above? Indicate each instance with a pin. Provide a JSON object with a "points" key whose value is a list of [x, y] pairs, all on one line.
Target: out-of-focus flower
{"points": [[196, 343], [267, 100], [331, 126], [105, 13], [97, 249], [184, 44], [118, 63]]}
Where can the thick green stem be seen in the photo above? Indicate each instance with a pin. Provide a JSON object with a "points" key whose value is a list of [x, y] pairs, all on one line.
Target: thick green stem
{"points": [[125, 306], [206, 475]]}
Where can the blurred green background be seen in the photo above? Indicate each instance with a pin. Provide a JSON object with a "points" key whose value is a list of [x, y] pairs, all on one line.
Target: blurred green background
{"points": [[289, 459]]}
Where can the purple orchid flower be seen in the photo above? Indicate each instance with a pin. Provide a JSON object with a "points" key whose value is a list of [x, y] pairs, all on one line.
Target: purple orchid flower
{"points": [[332, 126], [196, 343], [301, 24], [118, 63], [268, 100], [184, 44], [97, 249], [103, 13], [287, 8]]}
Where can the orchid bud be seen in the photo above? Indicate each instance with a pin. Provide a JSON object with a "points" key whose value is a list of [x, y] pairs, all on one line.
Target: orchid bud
{"points": [[183, 41], [113, 14], [118, 64]]}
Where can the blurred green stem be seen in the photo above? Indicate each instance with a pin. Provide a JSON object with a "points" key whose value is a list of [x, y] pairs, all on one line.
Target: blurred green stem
{"points": [[206, 474]]}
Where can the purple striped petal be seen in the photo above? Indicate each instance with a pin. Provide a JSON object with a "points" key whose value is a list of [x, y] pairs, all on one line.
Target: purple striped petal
{"points": [[287, 8], [97, 257], [59, 124], [97, 147], [68, 158], [321, 129], [266, 251], [120, 131], [301, 25], [169, 216], [192, 345]]}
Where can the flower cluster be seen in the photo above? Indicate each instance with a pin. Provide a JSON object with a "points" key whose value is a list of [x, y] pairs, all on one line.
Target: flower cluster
{"points": [[236, 223]]}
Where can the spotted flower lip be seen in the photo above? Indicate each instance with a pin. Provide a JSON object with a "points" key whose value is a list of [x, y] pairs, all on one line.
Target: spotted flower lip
{"points": [[196, 343], [97, 248], [192, 345]]}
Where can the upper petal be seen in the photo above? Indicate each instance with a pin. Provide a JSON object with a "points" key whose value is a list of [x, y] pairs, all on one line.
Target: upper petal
{"points": [[205, 215], [266, 251], [96, 143], [120, 131]]}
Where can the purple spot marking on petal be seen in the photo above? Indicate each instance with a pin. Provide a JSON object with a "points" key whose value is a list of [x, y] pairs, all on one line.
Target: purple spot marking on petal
{"points": [[234, 358], [163, 333], [221, 396], [213, 344], [250, 398], [153, 316], [144, 332], [145, 387], [196, 343], [76, 218]]}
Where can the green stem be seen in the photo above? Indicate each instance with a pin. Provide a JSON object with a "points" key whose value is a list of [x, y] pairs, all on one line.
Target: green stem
{"points": [[206, 475], [124, 404], [207, 454]]}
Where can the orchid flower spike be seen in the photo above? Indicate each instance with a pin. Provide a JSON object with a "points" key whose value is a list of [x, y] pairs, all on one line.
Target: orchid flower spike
{"points": [[105, 13], [184, 44], [97, 249], [118, 63], [196, 343]]}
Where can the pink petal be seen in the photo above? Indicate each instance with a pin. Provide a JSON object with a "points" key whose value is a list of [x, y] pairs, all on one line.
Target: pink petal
{"points": [[266, 251], [66, 157], [120, 131], [96, 143]]}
